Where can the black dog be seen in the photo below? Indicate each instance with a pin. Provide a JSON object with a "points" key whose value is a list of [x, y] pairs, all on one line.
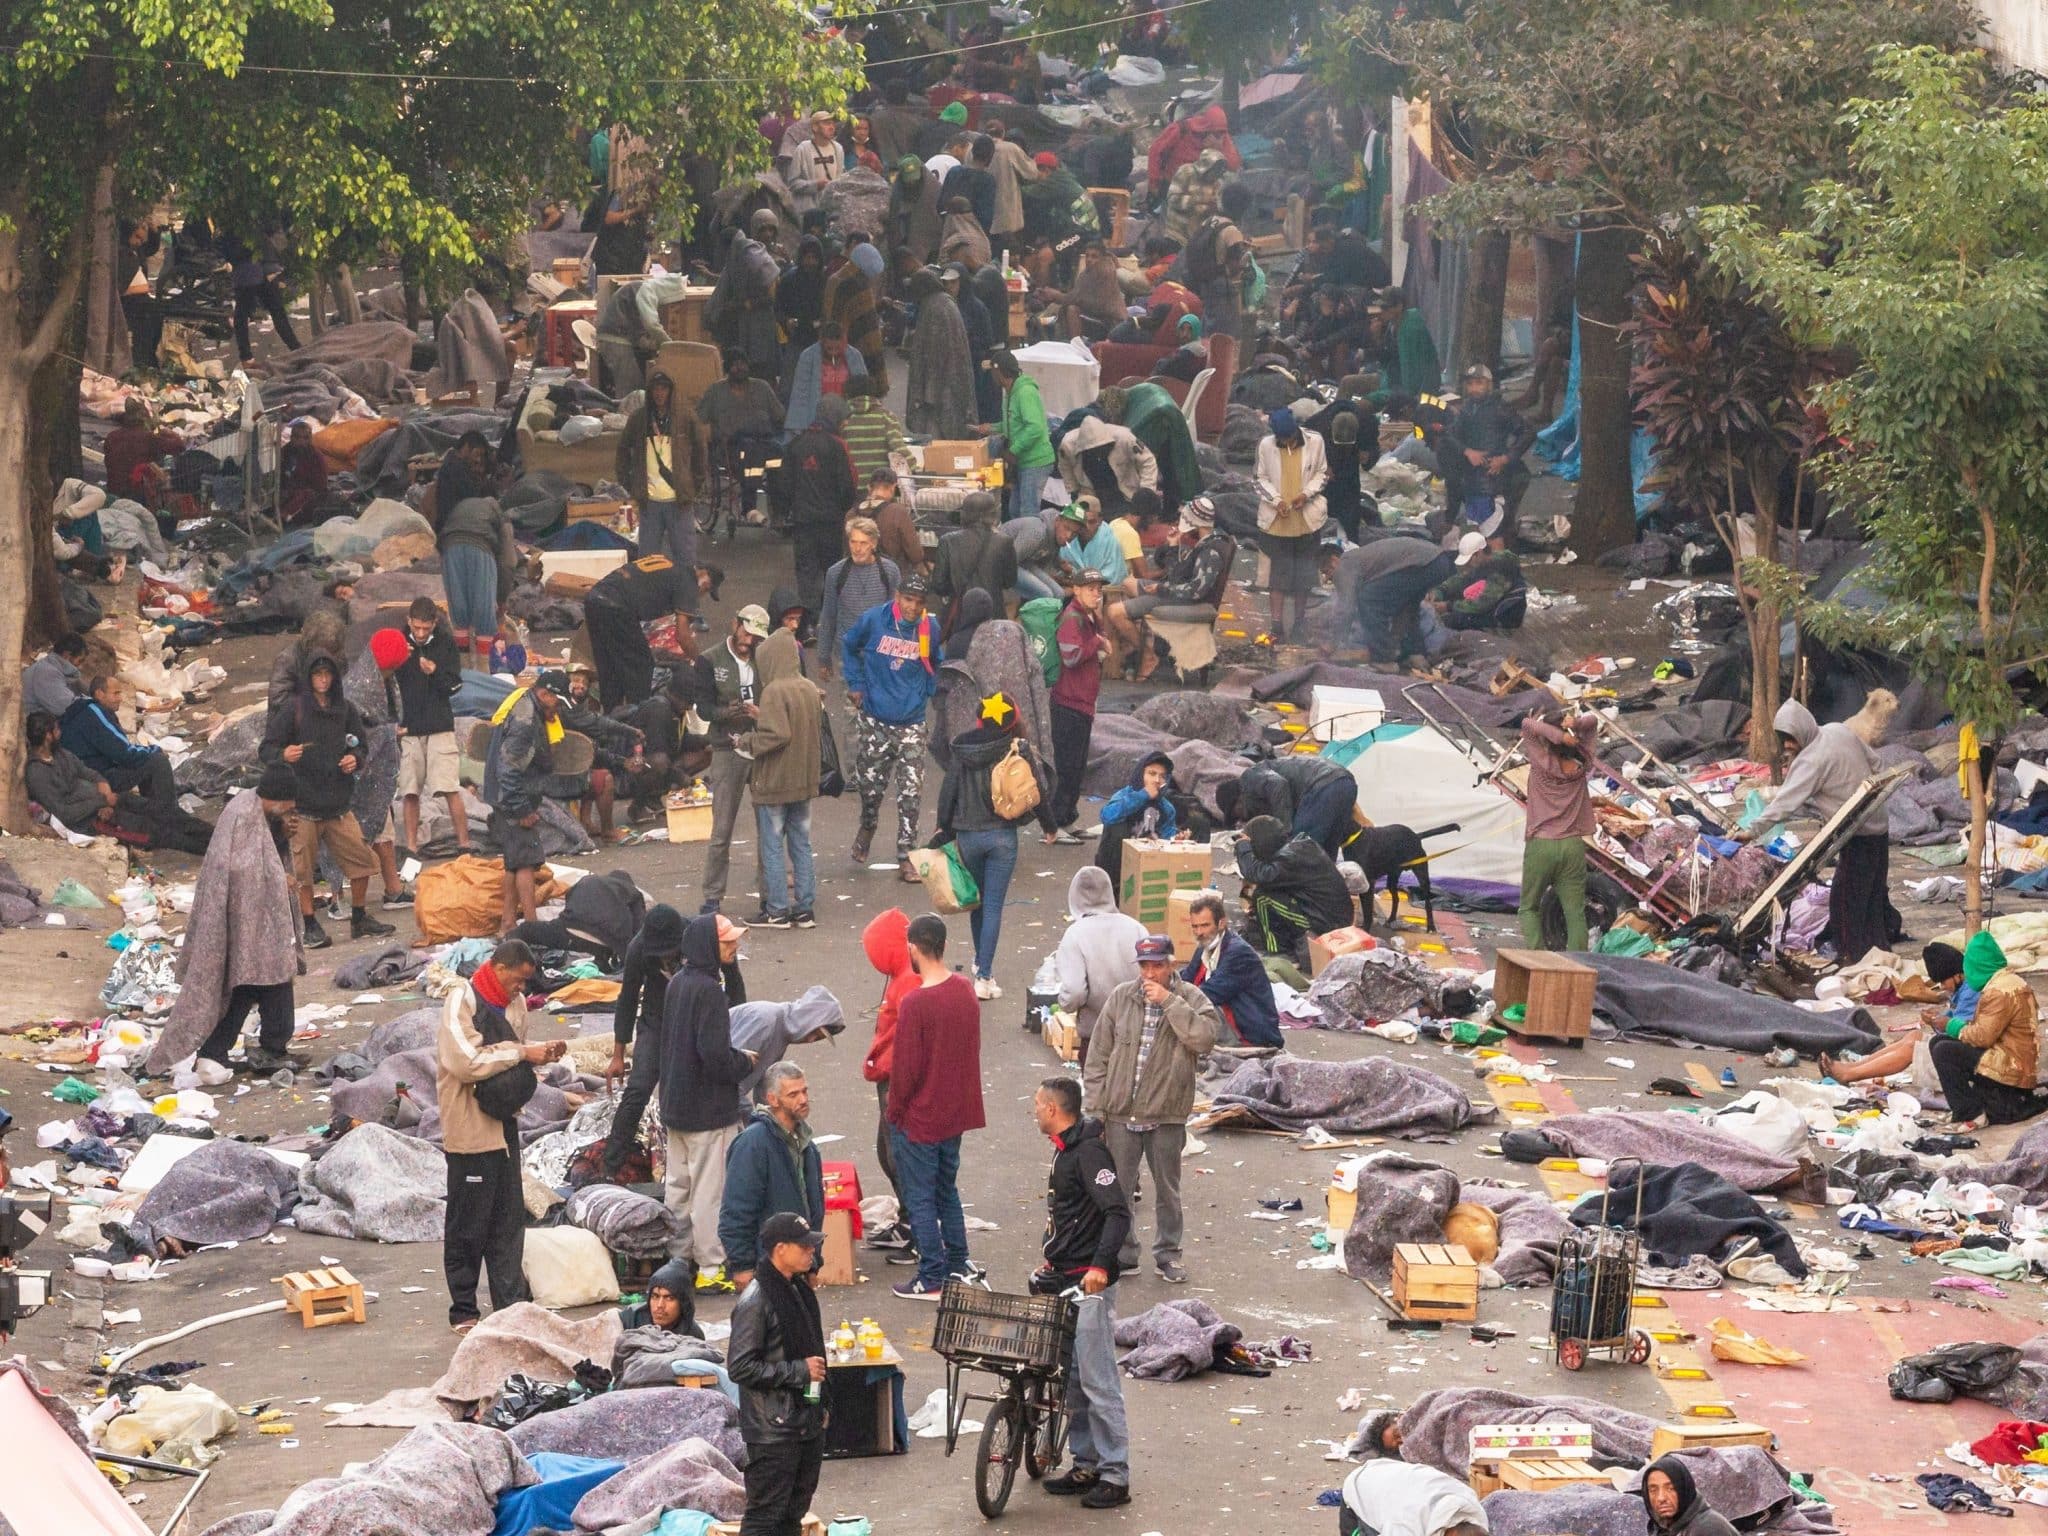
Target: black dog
{"points": [[1387, 853]]}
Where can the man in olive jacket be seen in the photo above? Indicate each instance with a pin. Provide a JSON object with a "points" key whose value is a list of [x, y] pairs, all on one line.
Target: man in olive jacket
{"points": [[786, 749], [1140, 1079]]}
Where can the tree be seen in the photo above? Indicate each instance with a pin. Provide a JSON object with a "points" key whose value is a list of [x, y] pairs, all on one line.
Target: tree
{"points": [[408, 129], [1928, 262], [1610, 116], [1722, 388]]}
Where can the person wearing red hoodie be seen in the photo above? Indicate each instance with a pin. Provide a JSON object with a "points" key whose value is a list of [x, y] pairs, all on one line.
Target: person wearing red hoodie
{"points": [[887, 942], [1182, 144]]}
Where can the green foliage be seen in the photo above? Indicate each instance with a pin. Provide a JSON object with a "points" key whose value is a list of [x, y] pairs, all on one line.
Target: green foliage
{"points": [[1928, 263], [1630, 111]]}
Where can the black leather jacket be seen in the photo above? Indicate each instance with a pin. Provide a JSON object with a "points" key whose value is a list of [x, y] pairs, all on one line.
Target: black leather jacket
{"points": [[772, 1406]]}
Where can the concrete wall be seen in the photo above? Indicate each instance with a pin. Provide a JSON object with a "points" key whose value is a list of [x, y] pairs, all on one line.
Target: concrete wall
{"points": [[2018, 32]]}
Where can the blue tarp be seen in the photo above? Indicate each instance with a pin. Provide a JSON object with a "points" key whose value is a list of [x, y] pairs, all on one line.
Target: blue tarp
{"points": [[1559, 442], [549, 1503]]}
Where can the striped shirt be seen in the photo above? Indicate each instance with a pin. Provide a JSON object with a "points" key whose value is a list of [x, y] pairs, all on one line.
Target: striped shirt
{"points": [[871, 434]]}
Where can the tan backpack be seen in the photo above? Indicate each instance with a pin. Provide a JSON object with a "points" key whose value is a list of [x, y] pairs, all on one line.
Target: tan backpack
{"points": [[1012, 786]]}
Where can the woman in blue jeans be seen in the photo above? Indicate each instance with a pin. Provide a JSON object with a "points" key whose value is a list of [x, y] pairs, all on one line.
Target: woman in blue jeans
{"points": [[968, 816]]}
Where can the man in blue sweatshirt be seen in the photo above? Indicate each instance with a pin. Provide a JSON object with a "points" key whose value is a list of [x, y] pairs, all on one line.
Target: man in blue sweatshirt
{"points": [[92, 733], [1231, 975], [890, 659]]}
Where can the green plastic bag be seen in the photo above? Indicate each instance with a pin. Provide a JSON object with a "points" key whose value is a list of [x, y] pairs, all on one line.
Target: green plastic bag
{"points": [[72, 1091], [1041, 620], [946, 880], [70, 893]]}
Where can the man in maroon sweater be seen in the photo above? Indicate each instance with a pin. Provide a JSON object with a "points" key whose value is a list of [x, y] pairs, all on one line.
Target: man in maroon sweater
{"points": [[934, 1100]]}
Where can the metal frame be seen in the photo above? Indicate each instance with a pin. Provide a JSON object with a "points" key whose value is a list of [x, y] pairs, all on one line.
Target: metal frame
{"points": [[1581, 1255], [1838, 829], [199, 1475]]}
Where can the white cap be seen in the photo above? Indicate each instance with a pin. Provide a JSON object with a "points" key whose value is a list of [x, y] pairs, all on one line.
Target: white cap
{"points": [[754, 620], [1471, 545]]}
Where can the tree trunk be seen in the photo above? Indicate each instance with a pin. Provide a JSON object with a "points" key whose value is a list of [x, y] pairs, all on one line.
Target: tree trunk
{"points": [[1973, 862], [53, 458], [101, 302], [1233, 87], [15, 576], [346, 303], [1604, 512], [1486, 296]]}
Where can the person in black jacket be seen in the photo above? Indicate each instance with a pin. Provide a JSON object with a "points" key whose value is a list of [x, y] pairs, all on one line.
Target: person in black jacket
{"points": [[1088, 1217], [429, 763], [1291, 888], [818, 487], [776, 1357], [651, 959], [1311, 795], [701, 1072], [323, 737], [977, 554], [988, 839]]}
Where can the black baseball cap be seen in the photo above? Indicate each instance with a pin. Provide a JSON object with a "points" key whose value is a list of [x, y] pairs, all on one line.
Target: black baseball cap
{"points": [[789, 1227]]}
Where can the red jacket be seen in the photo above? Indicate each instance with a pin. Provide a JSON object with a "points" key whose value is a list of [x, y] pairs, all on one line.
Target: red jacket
{"points": [[1082, 644], [888, 949], [1181, 144], [935, 1076]]}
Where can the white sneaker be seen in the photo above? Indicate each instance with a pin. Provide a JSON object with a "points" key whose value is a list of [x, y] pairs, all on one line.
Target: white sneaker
{"points": [[986, 989]]}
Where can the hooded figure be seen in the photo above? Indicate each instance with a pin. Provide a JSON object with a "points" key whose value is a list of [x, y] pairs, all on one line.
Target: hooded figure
{"points": [[1299, 890], [243, 930], [1097, 953], [1156, 421], [741, 309], [1830, 764], [1181, 143], [1690, 1516], [784, 743], [851, 299], [886, 942], [325, 630], [940, 402], [1989, 1064], [606, 912], [961, 237], [914, 221], [770, 1029], [800, 295], [701, 1070], [328, 732], [1133, 812], [675, 1278]]}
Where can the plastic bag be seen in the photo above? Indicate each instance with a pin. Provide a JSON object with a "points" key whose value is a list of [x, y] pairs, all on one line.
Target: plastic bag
{"points": [[831, 778], [946, 880], [569, 1267], [522, 1397], [176, 1425], [1766, 1122], [1938, 1375]]}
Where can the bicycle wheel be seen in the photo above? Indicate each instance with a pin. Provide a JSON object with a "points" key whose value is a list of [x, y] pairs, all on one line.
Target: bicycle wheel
{"points": [[995, 1467], [1042, 1442]]}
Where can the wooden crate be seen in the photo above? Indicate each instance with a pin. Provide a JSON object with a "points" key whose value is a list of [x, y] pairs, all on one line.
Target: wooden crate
{"points": [[1063, 1035], [594, 509], [323, 1296], [1556, 991], [1438, 1282], [1676, 1437], [688, 823], [1547, 1476]]}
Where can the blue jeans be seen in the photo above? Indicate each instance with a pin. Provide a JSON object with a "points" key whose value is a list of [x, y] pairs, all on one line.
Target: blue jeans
{"points": [[1030, 486], [930, 1175], [470, 577], [1032, 582], [991, 857], [1096, 1432], [667, 528], [777, 824]]}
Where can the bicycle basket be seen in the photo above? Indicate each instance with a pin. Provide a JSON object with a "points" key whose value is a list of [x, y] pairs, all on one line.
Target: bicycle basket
{"points": [[1034, 1332]]}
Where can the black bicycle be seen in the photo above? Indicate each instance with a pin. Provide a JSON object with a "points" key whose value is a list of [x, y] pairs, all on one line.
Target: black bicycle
{"points": [[1027, 1343]]}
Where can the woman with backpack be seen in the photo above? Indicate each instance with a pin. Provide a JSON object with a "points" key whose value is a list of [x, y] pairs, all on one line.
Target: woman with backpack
{"points": [[996, 782]]}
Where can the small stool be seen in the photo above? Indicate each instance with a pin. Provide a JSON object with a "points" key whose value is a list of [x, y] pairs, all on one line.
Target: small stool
{"points": [[323, 1296]]}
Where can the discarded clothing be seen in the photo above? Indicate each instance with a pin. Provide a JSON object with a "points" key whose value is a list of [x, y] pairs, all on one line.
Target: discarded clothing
{"points": [[377, 1186], [226, 1192], [2011, 1443], [1350, 1097], [693, 1474], [624, 1220], [1174, 1340], [1688, 1210], [1958, 1495], [1657, 1001], [1371, 987], [386, 967]]}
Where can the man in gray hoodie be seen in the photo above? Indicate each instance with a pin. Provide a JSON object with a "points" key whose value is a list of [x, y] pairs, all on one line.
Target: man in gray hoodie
{"points": [[1097, 953], [770, 1029]]}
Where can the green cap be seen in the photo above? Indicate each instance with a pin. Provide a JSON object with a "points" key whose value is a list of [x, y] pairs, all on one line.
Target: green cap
{"points": [[954, 112]]}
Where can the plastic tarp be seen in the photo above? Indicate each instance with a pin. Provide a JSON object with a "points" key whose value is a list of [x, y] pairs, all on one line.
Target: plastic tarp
{"points": [[1412, 776], [55, 1489]]}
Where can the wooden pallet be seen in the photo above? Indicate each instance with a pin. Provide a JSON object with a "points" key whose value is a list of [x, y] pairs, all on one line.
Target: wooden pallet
{"points": [[323, 1296]]}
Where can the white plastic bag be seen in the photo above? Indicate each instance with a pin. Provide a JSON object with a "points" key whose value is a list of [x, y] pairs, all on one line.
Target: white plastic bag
{"points": [[1766, 1122]]}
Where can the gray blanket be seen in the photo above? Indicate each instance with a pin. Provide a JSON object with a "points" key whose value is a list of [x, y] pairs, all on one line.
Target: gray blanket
{"points": [[624, 1220], [1173, 1340], [2025, 1168], [227, 1192], [1666, 1003], [1669, 1137], [1436, 1431], [1351, 1098], [411, 1031], [1355, 991], [380, 467], [1401, 1199], [1120, 742], [1744, 1485], [375, 1185], [526, 1339], [440, 1480], [1194, 716], [637, 1424], [693, 1474]]}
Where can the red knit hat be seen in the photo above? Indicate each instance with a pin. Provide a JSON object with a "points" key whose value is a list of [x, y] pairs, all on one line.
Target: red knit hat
{"points": [[390, 649]]}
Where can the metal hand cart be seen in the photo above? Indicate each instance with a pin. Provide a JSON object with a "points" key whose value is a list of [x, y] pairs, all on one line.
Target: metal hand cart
{"points": [[1593, 1300], [1027, 1342]]}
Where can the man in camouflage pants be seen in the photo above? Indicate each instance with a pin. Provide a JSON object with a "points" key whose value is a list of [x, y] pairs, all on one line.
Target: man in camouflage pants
{"points": [[890, 660]]}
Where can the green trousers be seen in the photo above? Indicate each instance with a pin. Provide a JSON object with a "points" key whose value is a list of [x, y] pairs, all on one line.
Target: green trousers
{"points": [[1554, 863]]}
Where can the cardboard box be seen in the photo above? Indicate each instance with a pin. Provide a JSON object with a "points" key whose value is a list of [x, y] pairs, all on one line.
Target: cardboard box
{"points": [[688, 823], [1340, 1209], [955, 456], [1180, 922], [1325, 947], [580, 562], [1556, 992], [1153, 871], [835, 1266], [1437, 1282], [587, 510]]}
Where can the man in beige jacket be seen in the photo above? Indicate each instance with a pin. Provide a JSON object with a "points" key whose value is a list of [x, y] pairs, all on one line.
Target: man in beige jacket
{"points": [[1140, 1079], [482, 1036]]}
